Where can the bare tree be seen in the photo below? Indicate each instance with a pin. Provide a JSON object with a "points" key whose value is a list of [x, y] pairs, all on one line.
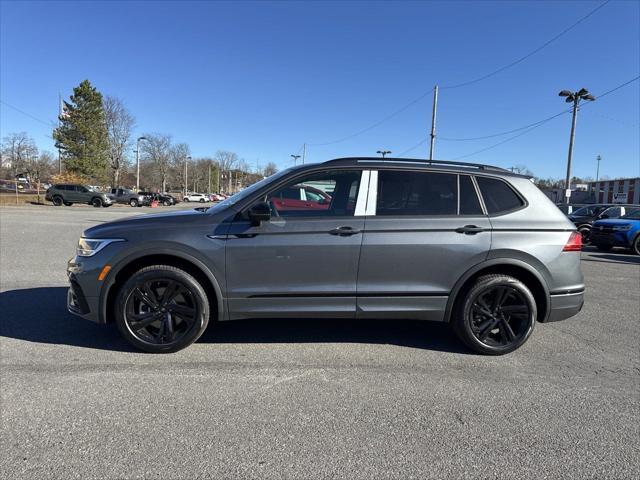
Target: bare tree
{"points": [[178, 155], [269, 169], [119, 125], [17, 150], [226, 162], [157, 151]]}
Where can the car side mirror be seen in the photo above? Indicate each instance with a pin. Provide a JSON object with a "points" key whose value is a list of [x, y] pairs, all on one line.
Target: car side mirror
{"points": [[260, 212]]}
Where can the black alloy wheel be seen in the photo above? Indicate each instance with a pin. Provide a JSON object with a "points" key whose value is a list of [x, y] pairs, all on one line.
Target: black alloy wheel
{"points": [[96, 202], [57, 201], [162, 309], [497, 315], [167, 203]]}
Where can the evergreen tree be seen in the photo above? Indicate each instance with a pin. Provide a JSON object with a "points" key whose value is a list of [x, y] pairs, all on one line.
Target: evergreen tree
{"points": [[82, 134]]}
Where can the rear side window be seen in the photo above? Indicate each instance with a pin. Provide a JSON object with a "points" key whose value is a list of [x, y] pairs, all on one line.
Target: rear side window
{"points": [[498, 196], [469, 202], [416, 193]]}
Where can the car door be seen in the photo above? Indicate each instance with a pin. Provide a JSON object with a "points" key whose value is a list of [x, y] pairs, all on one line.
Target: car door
{"points": [[304, 261], [427, 230]]}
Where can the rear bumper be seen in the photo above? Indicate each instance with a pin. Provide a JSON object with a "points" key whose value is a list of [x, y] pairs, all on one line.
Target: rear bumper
{"points": [[565, 305]]}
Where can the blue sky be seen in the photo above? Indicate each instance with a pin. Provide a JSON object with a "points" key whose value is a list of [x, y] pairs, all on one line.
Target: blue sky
{"points": [[262, 78]]}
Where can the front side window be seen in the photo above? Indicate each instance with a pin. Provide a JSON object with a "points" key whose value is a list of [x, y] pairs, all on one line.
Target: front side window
{"points": [[498, 196], [613, 212], [321, 194], [416, 193]]}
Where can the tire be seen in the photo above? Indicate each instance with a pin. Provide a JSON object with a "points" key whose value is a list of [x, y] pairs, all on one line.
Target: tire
{"points": [[604, 248], [508, 323], [133, 202], [586, 235], [57, 201], [636, 245], [106, 205], [185, 199], [166, 203], [67, 204], [162, 318], [202, 200], [96, 202]]}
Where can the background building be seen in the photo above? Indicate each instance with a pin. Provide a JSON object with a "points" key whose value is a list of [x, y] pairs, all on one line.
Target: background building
{"points": [[623, 190]]}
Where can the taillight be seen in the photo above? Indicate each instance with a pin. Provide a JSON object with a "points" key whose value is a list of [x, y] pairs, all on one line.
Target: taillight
{"points": [[574, 244]]}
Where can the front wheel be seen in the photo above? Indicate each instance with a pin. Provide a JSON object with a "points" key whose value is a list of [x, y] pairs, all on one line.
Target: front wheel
{"points": [[586, 235], [96, 202], [636, 245], [162, 309], [167, 203], [133, 202], [496, 315]]}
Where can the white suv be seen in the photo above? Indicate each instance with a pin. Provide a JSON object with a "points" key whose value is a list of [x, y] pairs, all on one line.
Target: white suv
{"points": [[196, 197]]}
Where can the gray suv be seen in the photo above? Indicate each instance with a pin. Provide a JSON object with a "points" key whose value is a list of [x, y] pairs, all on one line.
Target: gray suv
{"points": [[475, 246], [68, 194]]}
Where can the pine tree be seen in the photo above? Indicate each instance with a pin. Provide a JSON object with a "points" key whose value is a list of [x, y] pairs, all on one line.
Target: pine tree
{"points": [[82, 134]]}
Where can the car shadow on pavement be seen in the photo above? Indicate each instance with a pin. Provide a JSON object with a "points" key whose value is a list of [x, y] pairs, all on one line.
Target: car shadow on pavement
{"points": [[40, 315], [630, 258]]}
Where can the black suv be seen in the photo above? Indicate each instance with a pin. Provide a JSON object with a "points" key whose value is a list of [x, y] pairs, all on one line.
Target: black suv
{"points": [[163, 198], [68, 194], [584, 217]]}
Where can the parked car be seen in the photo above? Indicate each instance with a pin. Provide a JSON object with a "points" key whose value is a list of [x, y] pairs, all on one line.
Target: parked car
{"points": [[68, 194], [301, 197], [129, 197], [622, 232], [196, 197], [162, 198], [584, 217], [478, 247], [217, 197], [569, 208]]}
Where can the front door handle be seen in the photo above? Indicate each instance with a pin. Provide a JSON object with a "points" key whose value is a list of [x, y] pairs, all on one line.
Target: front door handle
{"points": [[344, 231], [469, 229]]}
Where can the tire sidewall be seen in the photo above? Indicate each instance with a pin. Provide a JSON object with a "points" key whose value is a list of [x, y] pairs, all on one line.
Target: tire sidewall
{"points": [[96, 202], [462, 325], [163, 272], [636, 245], [587, 230], [133, 203], [58, 201]]}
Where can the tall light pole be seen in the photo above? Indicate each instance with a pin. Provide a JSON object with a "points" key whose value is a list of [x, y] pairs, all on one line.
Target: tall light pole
{"points": [[573, 97], [137, 163], [383, 152], [432, 144], [295, 158], [186, 161], [598, 158]]}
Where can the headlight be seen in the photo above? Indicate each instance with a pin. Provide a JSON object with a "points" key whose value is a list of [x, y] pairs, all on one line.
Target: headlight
{"points": [[88, 247], [622, 228]]}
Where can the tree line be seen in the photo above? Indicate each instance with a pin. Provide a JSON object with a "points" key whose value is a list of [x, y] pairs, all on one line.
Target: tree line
{"points": [[95, 142]]}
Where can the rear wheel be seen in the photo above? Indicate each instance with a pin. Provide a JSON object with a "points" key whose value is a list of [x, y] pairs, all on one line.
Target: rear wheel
{"points": [[496, 315], [202, 200], [167, 203], [162, 309], [57, 201], [96, 202], [133, 202]]}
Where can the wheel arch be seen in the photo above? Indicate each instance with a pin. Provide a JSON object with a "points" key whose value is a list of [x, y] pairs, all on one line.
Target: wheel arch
{"points": [[507, 266], [119, 273]]}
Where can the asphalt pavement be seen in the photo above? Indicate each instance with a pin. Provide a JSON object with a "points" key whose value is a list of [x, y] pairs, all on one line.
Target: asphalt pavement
{"points": [[312, 399]]}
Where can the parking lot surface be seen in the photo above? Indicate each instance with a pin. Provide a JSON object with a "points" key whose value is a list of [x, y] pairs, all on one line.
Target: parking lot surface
{"points": [[312, 399]]}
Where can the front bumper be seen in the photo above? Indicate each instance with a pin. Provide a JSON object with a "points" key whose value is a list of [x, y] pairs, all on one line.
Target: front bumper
{"points": [[565, 305]]}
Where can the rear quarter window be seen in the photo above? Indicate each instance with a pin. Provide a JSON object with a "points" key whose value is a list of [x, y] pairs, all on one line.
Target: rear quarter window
{"points": [[498, 196]]}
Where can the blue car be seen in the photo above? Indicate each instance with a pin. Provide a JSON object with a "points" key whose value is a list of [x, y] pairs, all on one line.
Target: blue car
{"points": [[620, 232]]}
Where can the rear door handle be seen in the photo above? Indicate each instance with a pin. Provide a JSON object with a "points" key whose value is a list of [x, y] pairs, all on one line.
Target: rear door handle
{"points": [[469, 229], [344, 231]]}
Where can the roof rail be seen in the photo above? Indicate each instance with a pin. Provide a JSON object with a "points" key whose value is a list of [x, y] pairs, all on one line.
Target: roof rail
{"points": [[425, 161]]}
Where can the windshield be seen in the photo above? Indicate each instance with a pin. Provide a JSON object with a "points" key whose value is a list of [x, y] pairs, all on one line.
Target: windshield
{"points": [[232, 200], [588, 211], [632, 215]]}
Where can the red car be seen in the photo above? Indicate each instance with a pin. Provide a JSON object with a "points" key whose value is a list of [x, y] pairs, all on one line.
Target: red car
{"points": [[301, 197]]}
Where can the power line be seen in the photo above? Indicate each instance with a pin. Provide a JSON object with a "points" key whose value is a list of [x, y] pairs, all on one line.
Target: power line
{"points": [[533, 52], [411, 149], [540, 124], [501, 69], [48, 124]]}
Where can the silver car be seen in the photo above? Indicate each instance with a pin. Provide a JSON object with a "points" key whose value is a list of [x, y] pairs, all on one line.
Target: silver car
{"points": [[472, 245]]}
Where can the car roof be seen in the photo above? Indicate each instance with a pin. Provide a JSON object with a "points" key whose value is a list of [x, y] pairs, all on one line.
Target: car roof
{"points": [[412, 163]]}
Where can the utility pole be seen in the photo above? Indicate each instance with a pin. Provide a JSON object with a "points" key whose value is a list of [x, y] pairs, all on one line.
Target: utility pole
{"points": [[137, 163], [598, 158], [573, 97], [209, 190], [433, 122], [59, 115], [186, 160], [304, 152]]}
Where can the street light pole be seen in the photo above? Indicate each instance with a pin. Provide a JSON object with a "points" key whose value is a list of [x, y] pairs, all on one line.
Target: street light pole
{"points": [[137, 163], [295, 158], [573, 97], [433, 122], [186, 161], [384, 152], [598, 158]]}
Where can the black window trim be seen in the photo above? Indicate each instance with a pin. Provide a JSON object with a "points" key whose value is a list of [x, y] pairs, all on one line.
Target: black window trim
{"points": [[524, 205]]}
